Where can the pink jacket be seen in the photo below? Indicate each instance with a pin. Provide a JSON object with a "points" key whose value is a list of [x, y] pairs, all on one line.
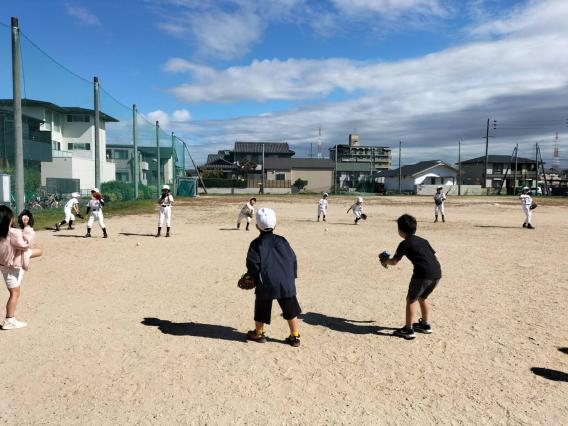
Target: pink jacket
{"points": [[14, 248]]}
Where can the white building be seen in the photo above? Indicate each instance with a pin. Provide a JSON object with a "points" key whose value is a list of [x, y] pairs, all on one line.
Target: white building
{"points": [[434, 172], [73, 142]]}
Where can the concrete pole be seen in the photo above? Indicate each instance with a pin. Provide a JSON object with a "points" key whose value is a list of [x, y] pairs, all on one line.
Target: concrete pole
{"points": [[159, 183], [486, 156], [536, 170], [18, 132], [173, 161], [97, 137], [515, 174], [460, 167], [400, 167], [335, 173], [135, 139], [262, 184]]}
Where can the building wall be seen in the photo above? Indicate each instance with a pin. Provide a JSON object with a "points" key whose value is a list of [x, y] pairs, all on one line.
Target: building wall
{"points": [[271, 174], [318, 180], [442, 175], [391, 184], [76, 168]]}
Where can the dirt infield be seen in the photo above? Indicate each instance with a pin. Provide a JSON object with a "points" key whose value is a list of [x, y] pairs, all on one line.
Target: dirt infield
{"points": [[154, 334]]}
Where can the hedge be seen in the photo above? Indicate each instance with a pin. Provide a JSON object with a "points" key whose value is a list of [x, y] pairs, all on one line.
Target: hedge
{"points": [[115, 190]]}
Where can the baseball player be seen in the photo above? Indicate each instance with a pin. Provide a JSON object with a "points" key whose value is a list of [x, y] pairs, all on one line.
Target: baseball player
{"points": [[322, 206], [247, 211], [165, 202], [95, 206], [72, 204], [526, 202], [439, 198], [357, 210]]}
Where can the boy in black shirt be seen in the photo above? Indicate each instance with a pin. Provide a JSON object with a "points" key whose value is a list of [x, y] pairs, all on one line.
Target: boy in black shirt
{"points": [[272, 263], [427, 274]]}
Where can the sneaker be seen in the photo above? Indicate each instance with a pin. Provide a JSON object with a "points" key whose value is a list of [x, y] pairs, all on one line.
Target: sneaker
{"points": [[260, 338], [443, 220], [406, 332], [422, 327], [105, 236], [70, 228], [324, 219], [319, 219], [167, 234], [529, 226], [57, 227], [293, 340], [87, 235], [12, 325], [436, 221], [524, 225], [158, 235]]}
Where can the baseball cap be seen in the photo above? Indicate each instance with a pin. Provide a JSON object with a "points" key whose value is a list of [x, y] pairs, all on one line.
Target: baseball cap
{"points": [[440, 187], [360, 199], [95, 190], [75, 194], [265, 219], [525, 187], [325, 194], [166, 187]]}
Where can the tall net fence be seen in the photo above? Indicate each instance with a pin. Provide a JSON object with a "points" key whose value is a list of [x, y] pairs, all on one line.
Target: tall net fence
{"points": [[59, 143]]}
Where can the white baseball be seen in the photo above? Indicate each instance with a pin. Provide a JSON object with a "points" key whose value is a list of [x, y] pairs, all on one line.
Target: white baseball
{"points": [[325, 229], [137, 244]]}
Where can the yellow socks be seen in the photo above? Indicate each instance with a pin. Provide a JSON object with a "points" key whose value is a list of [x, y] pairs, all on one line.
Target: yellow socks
{"points": [[259, 332], [294, 334]]}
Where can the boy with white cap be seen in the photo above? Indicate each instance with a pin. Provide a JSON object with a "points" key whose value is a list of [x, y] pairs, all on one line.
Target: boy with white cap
{"points": [[322, 206], [357, 210], [439, 198], [95, 206], [272, 264], [165, 202], [73, 203], [526, 202], [246, 212]]}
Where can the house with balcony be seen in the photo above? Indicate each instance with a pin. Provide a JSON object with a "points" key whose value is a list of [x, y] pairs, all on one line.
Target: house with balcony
{"points": [[474, 172], [71, 131], [414, 176], [355, 162]]}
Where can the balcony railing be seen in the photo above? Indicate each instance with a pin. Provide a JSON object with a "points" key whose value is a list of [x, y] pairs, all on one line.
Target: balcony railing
{"points": [[61, 154], [44, 137]]}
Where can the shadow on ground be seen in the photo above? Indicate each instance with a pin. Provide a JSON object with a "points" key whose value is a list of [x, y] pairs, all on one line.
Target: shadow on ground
{"points": [[344, 325], [69, 236], [554, 375], [496, 226], [209, 331], [127, 234], [229, 229]]}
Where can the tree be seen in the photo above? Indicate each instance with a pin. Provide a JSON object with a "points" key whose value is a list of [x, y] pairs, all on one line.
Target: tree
{"points": [[210, 173], [299, 184], [248, 166]]}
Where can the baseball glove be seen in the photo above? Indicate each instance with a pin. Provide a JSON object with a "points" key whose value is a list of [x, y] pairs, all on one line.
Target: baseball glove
{"points": [[382, 257], [80, 216], [249, 214], [438, 202], [246, 282], [363, 216], [533, 206]]}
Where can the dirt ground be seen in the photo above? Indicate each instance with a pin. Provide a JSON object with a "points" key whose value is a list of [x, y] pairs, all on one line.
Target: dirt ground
{"points": [[154, 334]]}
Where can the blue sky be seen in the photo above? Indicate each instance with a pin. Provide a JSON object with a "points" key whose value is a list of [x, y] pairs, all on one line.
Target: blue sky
{"points": [[429, 72]]}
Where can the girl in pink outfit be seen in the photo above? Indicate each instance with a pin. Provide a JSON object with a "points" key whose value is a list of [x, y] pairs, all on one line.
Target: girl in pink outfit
{"points": [[15, 254]]}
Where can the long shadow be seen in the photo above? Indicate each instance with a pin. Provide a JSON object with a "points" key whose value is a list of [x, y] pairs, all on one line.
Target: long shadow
{"points": [[563, 350], [210, 331], [344, 325], [496, 226], [229, 229], [128, 234], [69, 236], [547, 373]]}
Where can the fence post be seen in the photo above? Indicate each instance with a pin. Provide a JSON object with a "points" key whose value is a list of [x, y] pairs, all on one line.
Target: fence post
{"points": [[18, 132], [97, 137], [135, 138], [158, 184]]}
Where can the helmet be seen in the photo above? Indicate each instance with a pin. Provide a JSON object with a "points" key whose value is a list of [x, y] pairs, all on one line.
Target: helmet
{"points": [[165, 187], [360, 199], [95, 190]]}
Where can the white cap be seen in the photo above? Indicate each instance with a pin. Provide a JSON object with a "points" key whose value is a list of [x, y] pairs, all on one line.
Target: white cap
{"points": [[526, 187], [360, 199], [265, 219], [440, 187], [75, 194], [95, 190], [166, 187], [325, 194]]}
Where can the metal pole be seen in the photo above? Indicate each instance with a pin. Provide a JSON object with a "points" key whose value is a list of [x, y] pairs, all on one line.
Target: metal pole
{"points": [[536, 170], [335, 173], [507, 172], [515, 174], [262, 188], [191, 158], [486, 156], [18, 132], [546, 187], [311, 146], [173, 161], [400, 167], [97, 137], [135, 139], [460, 167], [159, 181]]}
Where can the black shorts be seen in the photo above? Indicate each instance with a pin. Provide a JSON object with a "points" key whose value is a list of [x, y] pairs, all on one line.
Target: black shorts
{"points": [[263, 309], [421, 288]]}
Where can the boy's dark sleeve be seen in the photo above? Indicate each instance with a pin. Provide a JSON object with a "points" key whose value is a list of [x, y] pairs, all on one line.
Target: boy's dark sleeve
{"points": [[433, 251], [253, 260], [400, 250], [295, 263]]}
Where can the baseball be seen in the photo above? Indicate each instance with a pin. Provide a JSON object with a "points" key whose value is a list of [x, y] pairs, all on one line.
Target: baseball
{"points": [[137, 244], [325, 229]]}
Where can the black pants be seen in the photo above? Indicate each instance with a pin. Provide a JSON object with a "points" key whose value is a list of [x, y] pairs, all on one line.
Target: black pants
{"points": [[263, 309]]}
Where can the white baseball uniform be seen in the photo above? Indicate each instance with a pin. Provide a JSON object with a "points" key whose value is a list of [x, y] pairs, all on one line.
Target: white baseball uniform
{"points": [[439, 207], [323, 203], [357, 210], [244, 211], [526, 202], [96, 213], [166, 211], [69, 208]]}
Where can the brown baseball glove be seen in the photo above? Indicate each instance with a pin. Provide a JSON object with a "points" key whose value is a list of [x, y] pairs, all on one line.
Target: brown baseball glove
{"points": [[246, 282]]}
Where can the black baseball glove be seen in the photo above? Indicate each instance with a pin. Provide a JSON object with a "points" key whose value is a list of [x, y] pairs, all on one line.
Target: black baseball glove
{"points": [[363, 216], [438, 202], [246, 282], [382, 257], [533, 206], [80, 216]]}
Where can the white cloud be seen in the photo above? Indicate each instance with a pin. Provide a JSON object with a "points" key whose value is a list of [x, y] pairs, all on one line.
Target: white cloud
{"points": [[393, 7], [82, 14], [176, 122]]}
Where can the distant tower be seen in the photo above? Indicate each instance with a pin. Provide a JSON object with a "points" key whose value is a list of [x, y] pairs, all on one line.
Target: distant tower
{"points": [[353, 139], [319, 145], [556, 160]]}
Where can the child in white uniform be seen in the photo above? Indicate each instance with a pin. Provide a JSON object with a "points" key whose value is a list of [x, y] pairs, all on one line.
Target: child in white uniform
{"points": [[73, 203], [357, 210], [247, 211], [526, 202], [165, 202], [439, 199], [322, 206], [95, 204]]}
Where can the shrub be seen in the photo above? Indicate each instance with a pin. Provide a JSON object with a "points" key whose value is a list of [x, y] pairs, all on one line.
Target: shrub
{"points": [[109, 197]]}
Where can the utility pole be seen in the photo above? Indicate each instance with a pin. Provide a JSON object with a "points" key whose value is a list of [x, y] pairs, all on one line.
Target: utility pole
{"points": [[159, 182], [486, 156], [335, 173], [400, 167], [546, 187], [97, 137], [515, 174], [459, 168], [262, 184], [174, 161], [311, 147], [135, 139], [536, 170], [18, 132]]}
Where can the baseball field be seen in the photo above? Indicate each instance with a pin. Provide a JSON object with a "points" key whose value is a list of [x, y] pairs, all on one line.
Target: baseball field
{"points": [[135, 330]]}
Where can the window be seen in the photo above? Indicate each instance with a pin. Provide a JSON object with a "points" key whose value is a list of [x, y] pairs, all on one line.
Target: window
{"points": [[48, 119], [56, 122], [280, 176], [78, 118], [120, 154], [109, 154], [56, 145], [497, 168], [79, 146], [496, 183], [121, 176], [433, 181]]}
